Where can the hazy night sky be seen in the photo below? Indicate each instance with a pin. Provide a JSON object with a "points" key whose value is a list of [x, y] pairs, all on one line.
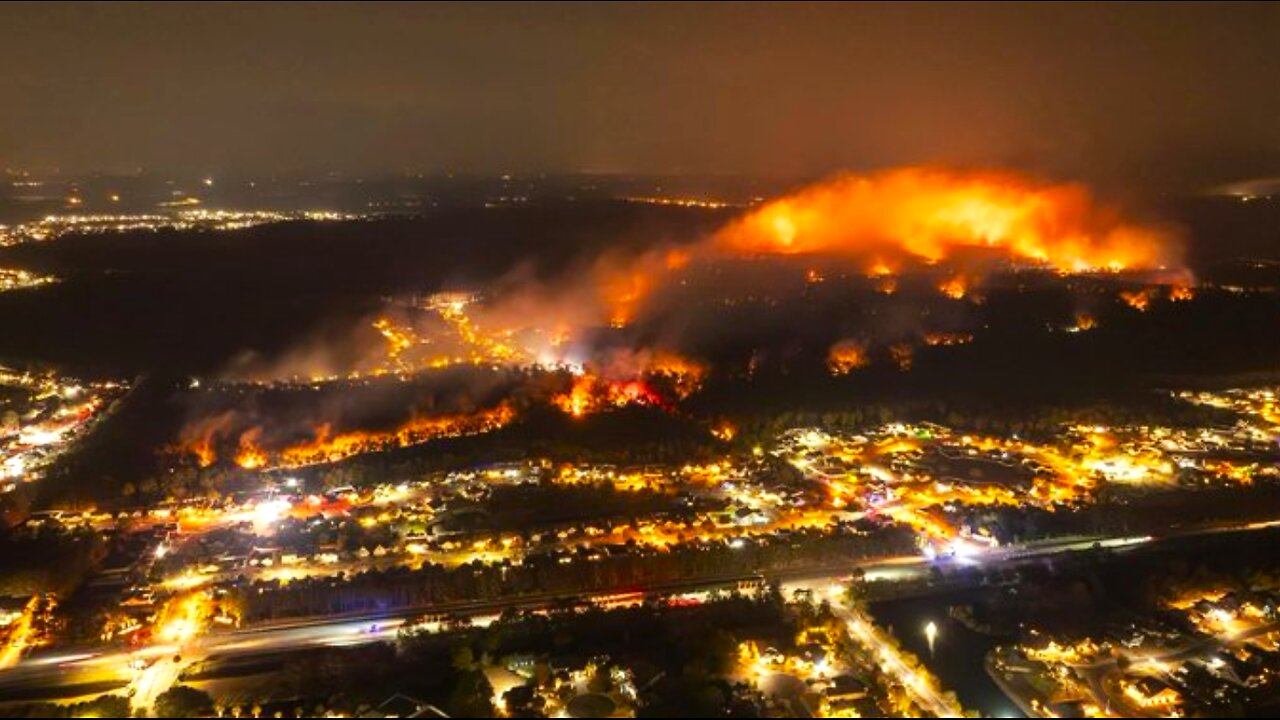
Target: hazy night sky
{"points": [[1159, 94]]}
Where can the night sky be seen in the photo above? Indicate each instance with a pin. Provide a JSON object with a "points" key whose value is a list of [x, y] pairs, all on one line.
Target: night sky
{"points": [[1176, 96]]}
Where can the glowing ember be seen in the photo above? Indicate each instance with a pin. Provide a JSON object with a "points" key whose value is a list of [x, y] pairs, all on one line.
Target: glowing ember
{"points": [[724, 430], [945, 338], [903, 355], [1084, 323], [846, 356], [1139, 300]]}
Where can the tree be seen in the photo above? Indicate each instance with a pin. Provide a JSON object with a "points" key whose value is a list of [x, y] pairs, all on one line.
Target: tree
{"points": [[181, 701], [472, 695], [463, 659]]}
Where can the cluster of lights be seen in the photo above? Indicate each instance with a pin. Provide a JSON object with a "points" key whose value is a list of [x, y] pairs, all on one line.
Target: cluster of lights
{"points": [[52, 227], [58, 411], [16, 279]]}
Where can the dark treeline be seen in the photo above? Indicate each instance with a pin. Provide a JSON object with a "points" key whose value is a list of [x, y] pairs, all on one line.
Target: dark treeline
{"points": [[46, 560], [630, 568], [183, 303]]}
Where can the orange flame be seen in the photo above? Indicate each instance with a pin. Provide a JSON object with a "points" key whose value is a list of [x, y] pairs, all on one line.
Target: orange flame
{"points": [[328, 447], [724, 430], [656, 378], [202, 450], [1084, 323], [928, 214], [624, 291], [954, 287], [846, 356], [886, 220], [947, 338], [250, 456], [591, 393], [580, 399], [199, 439], [1139, 300], [686, 375]]}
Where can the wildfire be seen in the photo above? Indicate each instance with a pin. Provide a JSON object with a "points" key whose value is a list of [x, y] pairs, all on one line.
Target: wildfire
{"points": [[484, 347], [684, 374], [887, 220], [203, 452], [329, 447], [1181, 293], [399, 339], [928, 214], [903, 355], [250, 456], [198, 440], [657, 379], [1084, 323], [466, 343], [954, 287], [724, 430], [846, 356], [591, 393], [1139, 300], [580, 399], [624, 291], [946, 338]]}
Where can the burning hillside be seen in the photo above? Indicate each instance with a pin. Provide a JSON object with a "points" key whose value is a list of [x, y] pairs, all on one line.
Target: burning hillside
{"points": [[609, 327], [932, 215]]}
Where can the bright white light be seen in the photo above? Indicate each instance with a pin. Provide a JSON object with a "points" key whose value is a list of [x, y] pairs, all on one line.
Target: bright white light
{"points": [[40, 437], [269, 512]]}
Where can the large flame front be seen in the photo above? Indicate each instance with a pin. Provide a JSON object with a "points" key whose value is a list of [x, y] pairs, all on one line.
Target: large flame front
{"points": [[929, 215]]}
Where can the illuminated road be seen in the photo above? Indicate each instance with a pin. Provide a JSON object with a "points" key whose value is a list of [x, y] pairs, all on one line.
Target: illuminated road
{"points": [[148, 671], [920, 688], [19, 635]]}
